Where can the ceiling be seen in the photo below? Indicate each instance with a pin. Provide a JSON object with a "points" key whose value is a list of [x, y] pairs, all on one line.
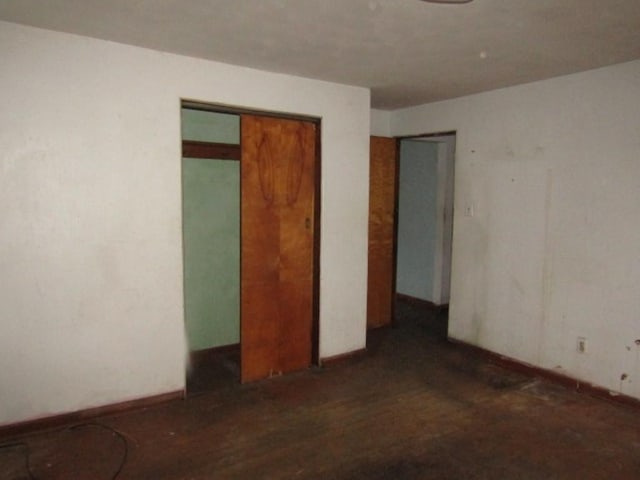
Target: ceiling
{"points": [[407, 51]]}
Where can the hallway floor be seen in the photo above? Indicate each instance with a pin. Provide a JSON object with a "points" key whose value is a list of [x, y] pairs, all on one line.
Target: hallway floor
{"points": [[414, 407]]}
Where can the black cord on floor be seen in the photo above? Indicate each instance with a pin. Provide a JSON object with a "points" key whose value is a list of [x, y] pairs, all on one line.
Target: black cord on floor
{"points": [[121, 437], [27, 452]]}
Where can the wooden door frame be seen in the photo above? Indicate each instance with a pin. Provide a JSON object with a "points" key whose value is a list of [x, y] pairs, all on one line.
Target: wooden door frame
{"points": [[317, 121]]}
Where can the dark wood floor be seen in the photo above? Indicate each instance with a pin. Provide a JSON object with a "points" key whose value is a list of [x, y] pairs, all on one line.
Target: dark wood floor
{"points": [[415, 407]]}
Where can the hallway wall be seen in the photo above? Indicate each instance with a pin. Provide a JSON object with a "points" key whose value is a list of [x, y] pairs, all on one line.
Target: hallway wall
{"points": [[417, 210]]}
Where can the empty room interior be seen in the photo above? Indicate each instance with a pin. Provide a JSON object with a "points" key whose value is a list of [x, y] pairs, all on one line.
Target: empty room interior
{"points": [[323, 239]]}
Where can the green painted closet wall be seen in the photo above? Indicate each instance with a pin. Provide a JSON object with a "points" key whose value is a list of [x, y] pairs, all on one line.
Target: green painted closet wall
{"points": [[211, 234]]}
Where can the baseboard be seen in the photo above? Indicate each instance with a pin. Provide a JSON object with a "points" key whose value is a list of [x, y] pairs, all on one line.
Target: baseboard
{"points": [[203, 355], [419, 302], [342, 358], [56, 421], [550, 375]]}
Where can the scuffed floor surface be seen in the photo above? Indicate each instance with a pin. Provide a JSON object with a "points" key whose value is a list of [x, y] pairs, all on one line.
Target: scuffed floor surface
{"points": [[415, 407]]}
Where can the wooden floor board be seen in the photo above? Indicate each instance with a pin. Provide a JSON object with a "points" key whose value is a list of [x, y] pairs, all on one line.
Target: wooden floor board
{"points": [[414, 407]]}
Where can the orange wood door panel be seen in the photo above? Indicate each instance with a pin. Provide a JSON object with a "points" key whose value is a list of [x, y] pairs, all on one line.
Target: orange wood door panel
{"points": [[277, 188], [382, 200]]}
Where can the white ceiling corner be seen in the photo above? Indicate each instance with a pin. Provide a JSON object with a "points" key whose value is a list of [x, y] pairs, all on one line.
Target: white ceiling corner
{"points": [[407, 51]]}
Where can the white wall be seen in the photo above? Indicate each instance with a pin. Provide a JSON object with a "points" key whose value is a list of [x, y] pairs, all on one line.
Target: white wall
{"points": [[90, 246], [380, 123], [552, 170]]}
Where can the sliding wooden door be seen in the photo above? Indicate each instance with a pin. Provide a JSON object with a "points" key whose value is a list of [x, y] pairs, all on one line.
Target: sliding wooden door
{"points": [[382, 206], [277, 260]]}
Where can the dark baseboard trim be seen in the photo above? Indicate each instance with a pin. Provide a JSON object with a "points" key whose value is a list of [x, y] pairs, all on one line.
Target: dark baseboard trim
{"points": [[344, 357], [56, 421], [419, 302], [198, 356], [550, 375]]}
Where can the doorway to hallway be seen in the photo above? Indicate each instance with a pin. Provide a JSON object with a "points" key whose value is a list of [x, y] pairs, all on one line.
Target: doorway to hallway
{"points": [[425, 218], [410, 223]]}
